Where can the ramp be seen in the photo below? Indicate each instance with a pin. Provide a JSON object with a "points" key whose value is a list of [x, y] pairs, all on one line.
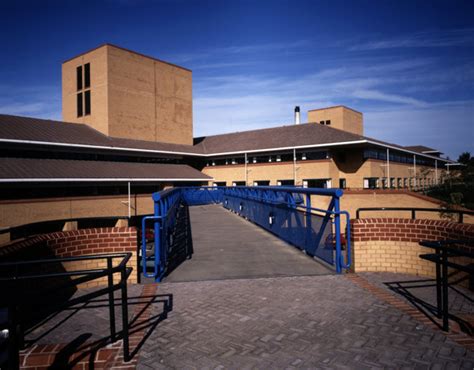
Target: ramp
{"points": [[227, 246]]}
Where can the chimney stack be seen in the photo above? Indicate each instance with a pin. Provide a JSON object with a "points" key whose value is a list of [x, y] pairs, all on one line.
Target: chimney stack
{"points": [[297, 115]]}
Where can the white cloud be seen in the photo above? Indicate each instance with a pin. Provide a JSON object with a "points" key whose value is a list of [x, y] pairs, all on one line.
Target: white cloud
{"points": [[36, 101], [427, 39], [448, 127]]}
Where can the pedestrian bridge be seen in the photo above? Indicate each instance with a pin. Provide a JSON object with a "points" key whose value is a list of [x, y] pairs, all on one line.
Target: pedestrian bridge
{"points": [[211, 233]]}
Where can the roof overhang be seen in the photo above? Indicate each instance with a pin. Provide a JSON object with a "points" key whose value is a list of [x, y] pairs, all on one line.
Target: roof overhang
{"points": [[210, 155], [12, 180]]}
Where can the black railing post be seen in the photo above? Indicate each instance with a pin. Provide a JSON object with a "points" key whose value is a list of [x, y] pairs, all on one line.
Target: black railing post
{"points": [[123, 283], [110, 277], [439, 300], [13, 361], [445, 291]]}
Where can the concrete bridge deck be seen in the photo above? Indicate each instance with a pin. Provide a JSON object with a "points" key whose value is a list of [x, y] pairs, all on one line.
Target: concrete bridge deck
{"points": [[228, 247]]}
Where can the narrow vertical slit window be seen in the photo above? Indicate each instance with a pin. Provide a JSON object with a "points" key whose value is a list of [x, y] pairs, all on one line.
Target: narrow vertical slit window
{"points": [[79, 77], [80, 111], [87, 102], [87, 75]]}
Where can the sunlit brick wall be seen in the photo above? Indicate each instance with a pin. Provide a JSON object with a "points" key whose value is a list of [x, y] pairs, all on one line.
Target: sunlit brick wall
{"points": [[80, 243], [391, 244]]}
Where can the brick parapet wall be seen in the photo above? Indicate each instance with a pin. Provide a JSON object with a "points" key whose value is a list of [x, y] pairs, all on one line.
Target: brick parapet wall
{"points": [[82, 242], [391, 244]]}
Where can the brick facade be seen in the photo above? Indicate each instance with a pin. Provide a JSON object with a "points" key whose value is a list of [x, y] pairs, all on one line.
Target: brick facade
{"points": [[391, 244], [80, 243]]}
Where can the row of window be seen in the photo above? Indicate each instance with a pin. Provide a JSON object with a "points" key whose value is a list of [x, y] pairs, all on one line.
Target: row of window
{"points": [[307, 183], [397, 157], [399, 182], [285, 157], [369, 183]]}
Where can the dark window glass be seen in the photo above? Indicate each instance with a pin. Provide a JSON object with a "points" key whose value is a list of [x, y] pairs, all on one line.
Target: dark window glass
{"points": [[342, 183], [373, 183], [79, 77], [328, 122], [87, 102], [87, 75], [80, 111], [316, 155], [321, 122], [317, 183]]}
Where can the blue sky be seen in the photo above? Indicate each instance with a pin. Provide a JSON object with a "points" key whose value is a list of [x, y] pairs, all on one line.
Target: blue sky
{"points": [[407, 65]]}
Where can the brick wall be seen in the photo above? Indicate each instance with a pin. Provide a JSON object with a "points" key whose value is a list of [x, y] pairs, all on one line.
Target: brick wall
{"points": [[391, 244], [78, 243]]}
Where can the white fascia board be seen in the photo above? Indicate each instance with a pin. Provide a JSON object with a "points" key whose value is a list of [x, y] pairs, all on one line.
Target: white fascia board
{"points": [[289, 148], [98, 147], [98, 180], [408, 151], [182, 153]]}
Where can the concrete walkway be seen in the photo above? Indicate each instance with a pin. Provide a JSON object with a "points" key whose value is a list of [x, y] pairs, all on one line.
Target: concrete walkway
{"points": [[228, 247]]}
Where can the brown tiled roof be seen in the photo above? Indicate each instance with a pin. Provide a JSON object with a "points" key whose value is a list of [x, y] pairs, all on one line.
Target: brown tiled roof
{"points": [[275, 137], [66, 170], [35, 129], [41, 130], [308, 134], [421, 149]]}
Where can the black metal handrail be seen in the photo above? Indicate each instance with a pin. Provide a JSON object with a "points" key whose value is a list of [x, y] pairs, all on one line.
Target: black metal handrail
{"points": [[443, 251], [13, 276], [413, 211]]}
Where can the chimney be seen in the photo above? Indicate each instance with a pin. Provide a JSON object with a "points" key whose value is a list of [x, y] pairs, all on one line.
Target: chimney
{"points": [[297, 115]]}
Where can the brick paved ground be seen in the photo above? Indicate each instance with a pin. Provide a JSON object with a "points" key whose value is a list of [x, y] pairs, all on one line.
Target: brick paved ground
{"points": [[460, 300], [292, 322]]}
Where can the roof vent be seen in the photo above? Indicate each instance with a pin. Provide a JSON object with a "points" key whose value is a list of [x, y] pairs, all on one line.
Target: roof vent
{"points": [[297, 115]]}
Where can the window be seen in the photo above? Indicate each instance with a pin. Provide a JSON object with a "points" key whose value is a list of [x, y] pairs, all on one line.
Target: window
{"points": [[80, 111], [87, 102], [87, 75], [261, 183], [328, 122], [318, 183], [342, 183], [238, 183], [220, 183], [79, 77], [286, 182], [321, 122], [371, 183], [392, 182]]}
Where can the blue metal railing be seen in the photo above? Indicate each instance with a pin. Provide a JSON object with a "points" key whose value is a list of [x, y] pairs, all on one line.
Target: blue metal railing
{"points": [[284, 211]]}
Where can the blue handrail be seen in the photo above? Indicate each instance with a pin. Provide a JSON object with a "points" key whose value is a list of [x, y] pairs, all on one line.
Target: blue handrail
{"points": [[284, 211]]}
